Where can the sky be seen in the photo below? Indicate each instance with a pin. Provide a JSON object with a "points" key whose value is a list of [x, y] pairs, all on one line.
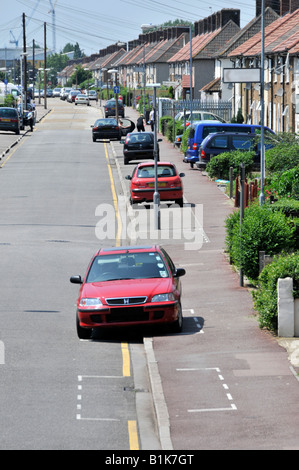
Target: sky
{"points": [[96, 24]]}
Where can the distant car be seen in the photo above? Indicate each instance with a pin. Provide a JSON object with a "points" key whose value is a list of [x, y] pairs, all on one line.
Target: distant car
{"points": [[108, 128], [110, 108], [49, 92], [142, 186], [221, 142], [72, 95], [65, 92], [82, 99], [92, 95], [56, 92], [9, 120], [129, 286], [139, 145], [197, 116]]}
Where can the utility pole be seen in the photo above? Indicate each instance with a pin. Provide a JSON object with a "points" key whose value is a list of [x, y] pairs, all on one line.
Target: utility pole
{"points": [[25, 61], [33, 67], [45, 65]]}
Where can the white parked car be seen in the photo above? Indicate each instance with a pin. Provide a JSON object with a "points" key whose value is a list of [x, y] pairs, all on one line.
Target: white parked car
{"points": [[82, 99], [56, 92], [92, 95]]}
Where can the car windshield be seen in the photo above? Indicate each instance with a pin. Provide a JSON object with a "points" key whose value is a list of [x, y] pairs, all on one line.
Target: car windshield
{"points": [[139, 138], [9, 113], [106, 122], [149, 171], [142, 265]]}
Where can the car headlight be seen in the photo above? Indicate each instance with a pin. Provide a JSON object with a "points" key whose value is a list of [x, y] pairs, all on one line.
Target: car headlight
{"points": [[90, 303], [163, 297]]}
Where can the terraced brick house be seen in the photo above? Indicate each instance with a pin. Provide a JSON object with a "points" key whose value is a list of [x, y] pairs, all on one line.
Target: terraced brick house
{"points": [[281, 80]]}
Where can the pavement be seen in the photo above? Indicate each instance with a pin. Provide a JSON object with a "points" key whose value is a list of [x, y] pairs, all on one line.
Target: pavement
{"points": [[218, 286]]}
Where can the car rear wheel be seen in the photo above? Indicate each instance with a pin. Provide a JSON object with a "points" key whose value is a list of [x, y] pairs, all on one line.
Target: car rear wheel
{"points": [[180, 202], [126, 160], [83, 333]]}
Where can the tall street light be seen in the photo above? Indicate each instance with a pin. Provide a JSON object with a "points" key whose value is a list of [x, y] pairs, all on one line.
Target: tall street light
{"points": [[262, 85], [156, 198], [23, 54]]}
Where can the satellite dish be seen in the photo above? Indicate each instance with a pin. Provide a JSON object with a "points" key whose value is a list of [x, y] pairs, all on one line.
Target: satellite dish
{"points": [[257, 86], [267, 86], [248, 86]]}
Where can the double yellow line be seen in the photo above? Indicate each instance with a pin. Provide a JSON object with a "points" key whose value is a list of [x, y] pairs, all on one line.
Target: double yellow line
{"points": [[132, 425]]}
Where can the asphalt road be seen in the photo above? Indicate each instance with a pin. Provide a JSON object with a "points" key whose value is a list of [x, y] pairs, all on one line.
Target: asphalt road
{"points": [[57, 392], [221, 384]]}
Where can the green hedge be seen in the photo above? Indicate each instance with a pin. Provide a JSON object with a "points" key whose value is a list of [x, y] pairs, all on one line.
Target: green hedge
{"points": [[284, 156], [218, 166], [284, 184], [265, 297], [262, 230]]}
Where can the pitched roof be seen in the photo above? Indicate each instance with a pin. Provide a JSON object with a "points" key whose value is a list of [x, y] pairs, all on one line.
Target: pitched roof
{"points": [[252, 28], [198, 43], [213, 85], [280, 36]]}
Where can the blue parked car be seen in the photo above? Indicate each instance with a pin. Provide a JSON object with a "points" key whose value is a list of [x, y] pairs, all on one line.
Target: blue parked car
{"points": [[200, 130], [222, 142]]}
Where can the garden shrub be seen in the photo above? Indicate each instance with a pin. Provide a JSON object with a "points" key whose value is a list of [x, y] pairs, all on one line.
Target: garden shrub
{"points": [[265, 297], [164, 123], [262, 230], [284, 156], [285, 184], [218, 166]]}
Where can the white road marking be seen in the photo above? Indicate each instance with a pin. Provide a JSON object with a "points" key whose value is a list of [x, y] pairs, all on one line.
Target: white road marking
{"points": [[225, 386]]}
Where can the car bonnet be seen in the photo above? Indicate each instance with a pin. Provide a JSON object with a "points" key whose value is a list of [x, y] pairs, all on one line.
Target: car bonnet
{"points": [[126, 288]]}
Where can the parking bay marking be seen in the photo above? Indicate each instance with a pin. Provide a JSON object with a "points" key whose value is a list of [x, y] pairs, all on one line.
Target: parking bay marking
{"points": [[198, 324], [229, 397]]}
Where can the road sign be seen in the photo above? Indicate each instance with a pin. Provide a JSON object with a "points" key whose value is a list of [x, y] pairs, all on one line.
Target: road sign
{"points": [[116, 90]]}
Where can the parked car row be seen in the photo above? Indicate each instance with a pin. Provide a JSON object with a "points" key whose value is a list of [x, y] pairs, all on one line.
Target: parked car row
{"points": [[198, 150]]}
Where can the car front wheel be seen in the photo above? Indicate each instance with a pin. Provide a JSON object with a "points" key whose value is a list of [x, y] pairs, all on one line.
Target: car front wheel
{"points": [[177, 326], [83, 333]]}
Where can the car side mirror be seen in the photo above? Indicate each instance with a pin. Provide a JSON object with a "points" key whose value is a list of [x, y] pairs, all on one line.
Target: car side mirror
{"points": [[121, 142], [128, 177], [182, 175], [180, 272], [76, 279], [159, 140]]}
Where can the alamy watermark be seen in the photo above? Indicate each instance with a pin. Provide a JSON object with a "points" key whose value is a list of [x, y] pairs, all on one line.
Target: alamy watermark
{"points": [[137, 224]]}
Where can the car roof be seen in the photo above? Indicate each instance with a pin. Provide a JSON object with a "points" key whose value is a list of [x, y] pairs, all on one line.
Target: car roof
{"points": [[140, 133], [250, 134], [127, 249], [153, 163]]}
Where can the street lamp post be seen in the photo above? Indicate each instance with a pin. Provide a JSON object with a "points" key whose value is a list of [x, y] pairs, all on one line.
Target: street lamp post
{"points": [[156, 198], [23, 54], [262, 85]]}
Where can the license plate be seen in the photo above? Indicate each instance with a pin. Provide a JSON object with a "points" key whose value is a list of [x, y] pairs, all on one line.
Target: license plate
{"points": [[160, 185], [5, 120]]}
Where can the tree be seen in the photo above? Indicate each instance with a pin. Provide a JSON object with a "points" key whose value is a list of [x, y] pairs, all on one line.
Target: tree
{"points": [[78, 54]]}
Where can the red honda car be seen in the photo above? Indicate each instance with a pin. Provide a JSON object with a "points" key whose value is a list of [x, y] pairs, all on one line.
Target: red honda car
{"points": [[127, 286], [170, 186]]}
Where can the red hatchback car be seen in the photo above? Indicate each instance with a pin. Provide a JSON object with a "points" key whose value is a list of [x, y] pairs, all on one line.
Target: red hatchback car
{"points": [[128, 286], [170, 185]]}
